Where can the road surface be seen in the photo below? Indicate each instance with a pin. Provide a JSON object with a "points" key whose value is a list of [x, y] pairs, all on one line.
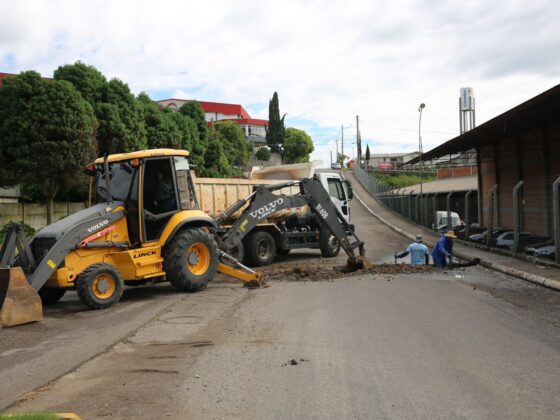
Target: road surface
{"points": [[457, 344]]}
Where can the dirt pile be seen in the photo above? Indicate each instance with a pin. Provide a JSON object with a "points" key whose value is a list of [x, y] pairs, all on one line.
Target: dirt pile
{"points": [[322, 270]]}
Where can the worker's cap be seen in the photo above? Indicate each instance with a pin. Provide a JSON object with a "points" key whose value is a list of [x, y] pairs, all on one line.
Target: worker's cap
{"points": [[450, 234], [419, 238]]}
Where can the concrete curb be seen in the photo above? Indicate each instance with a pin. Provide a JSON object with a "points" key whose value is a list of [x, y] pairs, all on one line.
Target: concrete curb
{"points": [[533, 278]]}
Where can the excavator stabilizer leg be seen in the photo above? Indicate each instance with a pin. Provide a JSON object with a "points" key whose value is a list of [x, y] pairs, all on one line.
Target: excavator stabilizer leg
{"points": [[20, 304]]}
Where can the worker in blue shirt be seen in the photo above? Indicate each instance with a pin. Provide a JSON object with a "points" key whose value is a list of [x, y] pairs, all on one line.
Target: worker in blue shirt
{"points": [[418, 252], [443, 250]]}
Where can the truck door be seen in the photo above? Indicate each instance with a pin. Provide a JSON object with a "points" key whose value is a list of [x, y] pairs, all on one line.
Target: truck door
{"points": [[338, 196]]}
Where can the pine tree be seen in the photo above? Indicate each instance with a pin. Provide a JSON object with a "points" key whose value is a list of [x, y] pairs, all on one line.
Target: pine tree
{"points": [[367, 156], [276, 131]]}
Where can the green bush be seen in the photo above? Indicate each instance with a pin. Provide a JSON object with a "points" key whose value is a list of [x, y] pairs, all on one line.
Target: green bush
{"points": [[401, 180]]}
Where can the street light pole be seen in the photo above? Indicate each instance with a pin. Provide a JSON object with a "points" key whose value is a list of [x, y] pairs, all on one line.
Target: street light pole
{"points": [[420, 108]]}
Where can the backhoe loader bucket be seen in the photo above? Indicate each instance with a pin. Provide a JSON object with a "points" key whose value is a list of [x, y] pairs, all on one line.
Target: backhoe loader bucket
{"points": [[19, 303], [357, 263]]}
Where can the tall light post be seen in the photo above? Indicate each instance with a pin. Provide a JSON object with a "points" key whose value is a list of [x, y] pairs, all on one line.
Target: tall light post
{"points": [[420, 108]]}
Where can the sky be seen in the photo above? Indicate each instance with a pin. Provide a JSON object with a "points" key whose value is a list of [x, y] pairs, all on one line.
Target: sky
{"points": [[329, 61]]}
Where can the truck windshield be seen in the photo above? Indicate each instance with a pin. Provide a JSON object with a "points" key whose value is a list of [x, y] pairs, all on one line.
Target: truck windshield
{"points": [[336, 189], [122, 178]]}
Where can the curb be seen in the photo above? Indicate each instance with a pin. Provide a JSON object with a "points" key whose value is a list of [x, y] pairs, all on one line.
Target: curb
{"points": [[533, 278]]}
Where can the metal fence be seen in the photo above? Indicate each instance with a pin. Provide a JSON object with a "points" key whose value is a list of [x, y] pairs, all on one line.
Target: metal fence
{"points": [[422, 208]]}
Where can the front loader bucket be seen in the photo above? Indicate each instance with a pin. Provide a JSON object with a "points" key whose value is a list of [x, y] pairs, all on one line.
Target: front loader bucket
{"points": [[358, 263], [19, 303]]}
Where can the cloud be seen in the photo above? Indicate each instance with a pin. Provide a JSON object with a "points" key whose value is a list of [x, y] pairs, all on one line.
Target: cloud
{"points": [[328, 61]]}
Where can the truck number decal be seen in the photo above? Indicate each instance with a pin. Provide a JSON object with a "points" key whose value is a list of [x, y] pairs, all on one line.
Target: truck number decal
{"points": [[98, 226], [322, 211], [267, 209]]}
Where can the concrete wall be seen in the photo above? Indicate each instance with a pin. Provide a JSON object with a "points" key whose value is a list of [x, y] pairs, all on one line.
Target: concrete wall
{"points": [[35, 215]]}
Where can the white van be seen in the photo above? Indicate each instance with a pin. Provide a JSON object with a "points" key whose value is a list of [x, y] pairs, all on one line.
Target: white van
{"points": [[441, 220]]}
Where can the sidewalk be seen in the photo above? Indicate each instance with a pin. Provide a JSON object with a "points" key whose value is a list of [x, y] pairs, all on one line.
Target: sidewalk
{"points": [[545, 276]]}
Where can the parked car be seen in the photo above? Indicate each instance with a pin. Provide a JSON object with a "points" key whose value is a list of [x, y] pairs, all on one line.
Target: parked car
{"points": [[473, 230], [530, 249], [535, 239], [442, 223], [336, 165], [505, 240], [548, 251], [481, 237]]}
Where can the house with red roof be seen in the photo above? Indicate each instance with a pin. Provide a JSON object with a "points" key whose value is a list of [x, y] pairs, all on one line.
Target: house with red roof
{"points": [[255, 129]]}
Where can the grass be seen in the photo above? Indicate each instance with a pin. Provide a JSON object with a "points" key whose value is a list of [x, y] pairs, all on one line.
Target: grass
{"points": [[401, 180]]}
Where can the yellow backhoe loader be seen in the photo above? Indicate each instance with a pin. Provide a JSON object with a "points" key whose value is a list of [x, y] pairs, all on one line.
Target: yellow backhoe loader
{"points": [[143, 224]]}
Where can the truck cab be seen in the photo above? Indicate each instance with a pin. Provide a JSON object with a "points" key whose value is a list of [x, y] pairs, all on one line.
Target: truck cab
{"points": [[340, 191]]}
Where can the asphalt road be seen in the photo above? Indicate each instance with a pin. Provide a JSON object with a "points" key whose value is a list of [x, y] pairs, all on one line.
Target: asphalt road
{"points": [[457, 344]]}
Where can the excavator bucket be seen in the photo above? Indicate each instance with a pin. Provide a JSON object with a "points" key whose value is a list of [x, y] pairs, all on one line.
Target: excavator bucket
{"points": [[19, 303], [357, 263]]}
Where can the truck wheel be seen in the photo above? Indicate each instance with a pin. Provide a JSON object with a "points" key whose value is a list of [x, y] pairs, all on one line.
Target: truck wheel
{"points": [[191, 260], [327, 243], [50, 295], [260, 248], [99, 286]]}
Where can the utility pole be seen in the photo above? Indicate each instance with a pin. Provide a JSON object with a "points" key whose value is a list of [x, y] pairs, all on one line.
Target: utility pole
{"points": [[342, 141], [358, 141], [331, 157]]}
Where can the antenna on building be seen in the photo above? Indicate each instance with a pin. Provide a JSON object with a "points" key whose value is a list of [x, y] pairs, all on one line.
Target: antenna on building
{"points": [[466, 110]]}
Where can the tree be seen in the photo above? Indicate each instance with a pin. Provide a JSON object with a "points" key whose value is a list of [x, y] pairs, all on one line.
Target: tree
{"points": [[276, 132], [367, 156], [47, 134], [119, 115], [263, 154], [341, 158], [216, 163], [297, 146], [235, 145], [161, 128], [194, 111]]}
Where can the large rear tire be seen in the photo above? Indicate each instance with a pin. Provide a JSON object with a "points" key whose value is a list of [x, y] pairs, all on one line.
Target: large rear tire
{"points": [[191, 260], [327, 243], [99, 286], [260, 248], [51, 295]]}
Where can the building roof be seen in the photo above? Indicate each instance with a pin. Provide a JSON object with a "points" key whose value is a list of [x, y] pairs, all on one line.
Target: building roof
{"points": [[218, 107], [464, 183], [391, 155], [536, 111]]}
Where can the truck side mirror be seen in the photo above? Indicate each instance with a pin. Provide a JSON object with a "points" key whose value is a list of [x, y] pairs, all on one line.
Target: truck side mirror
{"points": [[349, 189]]}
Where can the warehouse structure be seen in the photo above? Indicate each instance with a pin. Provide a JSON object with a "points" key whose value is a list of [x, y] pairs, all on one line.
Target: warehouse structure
{"points": [[517, 163]]}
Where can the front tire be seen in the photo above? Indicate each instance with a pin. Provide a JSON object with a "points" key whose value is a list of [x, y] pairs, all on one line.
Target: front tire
{"points": [[99, 286], [191, 260], [260, 248], [327, 243]]}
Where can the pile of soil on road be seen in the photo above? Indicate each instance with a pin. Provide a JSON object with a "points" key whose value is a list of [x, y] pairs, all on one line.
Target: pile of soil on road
{"points": [[322, 270]]}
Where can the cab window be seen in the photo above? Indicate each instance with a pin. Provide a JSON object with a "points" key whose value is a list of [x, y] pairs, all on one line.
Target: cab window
{"points": [[336, 189]]}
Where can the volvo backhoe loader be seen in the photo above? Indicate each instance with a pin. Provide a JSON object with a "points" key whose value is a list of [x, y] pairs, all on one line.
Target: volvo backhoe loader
{"points": [[143, 225]]}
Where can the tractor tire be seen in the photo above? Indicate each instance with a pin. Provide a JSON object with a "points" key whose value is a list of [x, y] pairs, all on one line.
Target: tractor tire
{"points": [[99, 286], [327, 243], [191, 260], [260, 248], [51, 295]]}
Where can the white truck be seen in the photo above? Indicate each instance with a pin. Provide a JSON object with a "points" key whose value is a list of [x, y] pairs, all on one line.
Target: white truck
{"points": [[284, 230]]}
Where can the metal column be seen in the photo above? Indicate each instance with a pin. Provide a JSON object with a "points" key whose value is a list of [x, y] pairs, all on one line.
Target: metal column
{"points": [[490, 224], [556, 207], [517, 215], [448, 202], [467, 215]]}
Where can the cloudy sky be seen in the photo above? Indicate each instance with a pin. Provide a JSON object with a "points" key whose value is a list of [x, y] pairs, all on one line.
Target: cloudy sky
{"points": [[329, 61]]}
